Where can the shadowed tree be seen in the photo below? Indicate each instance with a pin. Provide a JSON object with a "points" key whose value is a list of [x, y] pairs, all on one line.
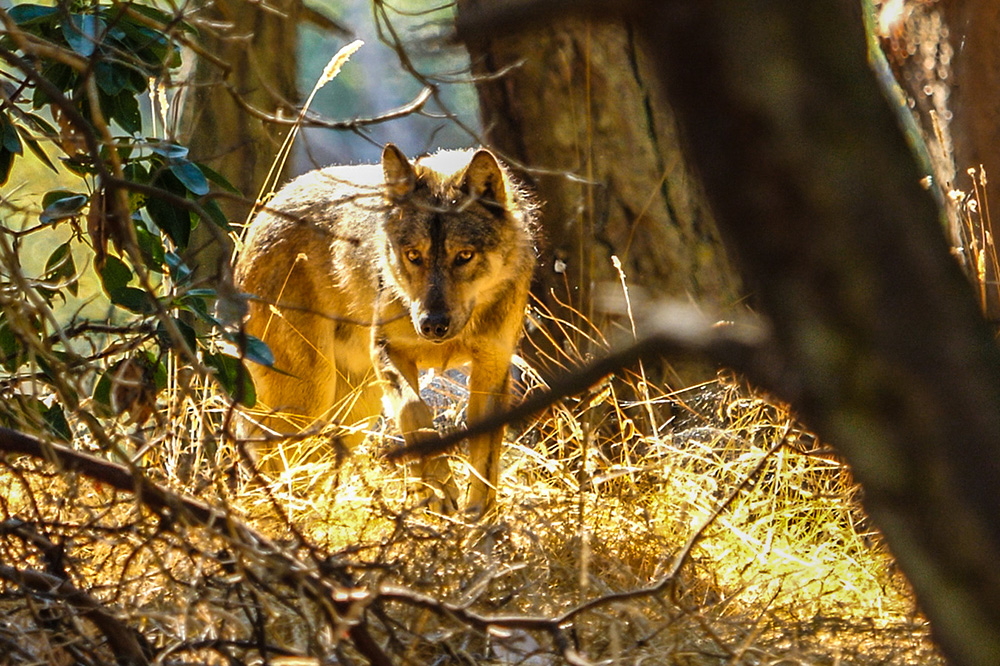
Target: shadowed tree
{"points": [[580, 107], [253, 64], [876, 339], [946, 59]]}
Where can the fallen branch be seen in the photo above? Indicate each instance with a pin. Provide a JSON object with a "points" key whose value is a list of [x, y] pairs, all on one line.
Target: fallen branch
{"points": [[122, 639], [337, 602]]}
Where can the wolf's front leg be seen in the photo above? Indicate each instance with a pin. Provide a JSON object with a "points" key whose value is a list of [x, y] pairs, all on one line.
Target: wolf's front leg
{"points": [[489, 392], [400, 389]]}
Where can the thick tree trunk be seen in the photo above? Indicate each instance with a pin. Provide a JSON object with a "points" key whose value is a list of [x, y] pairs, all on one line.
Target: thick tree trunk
{"points": [[881, 347], [947, 57], [580, 107], [259, 46], [974, 27], [887, 356]]}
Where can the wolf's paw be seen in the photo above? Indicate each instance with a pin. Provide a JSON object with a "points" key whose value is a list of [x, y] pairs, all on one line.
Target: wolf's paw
{"points": [[438, 479], [414, 417]]}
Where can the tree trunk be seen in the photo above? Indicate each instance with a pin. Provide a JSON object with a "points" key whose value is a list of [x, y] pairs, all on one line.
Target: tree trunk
{"points": [[947, 59], [876, 339], [259, 46], [974, 27], [579, 106]]}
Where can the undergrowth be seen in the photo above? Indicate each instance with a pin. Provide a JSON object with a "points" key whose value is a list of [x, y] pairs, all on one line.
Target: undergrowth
{"points": [[728, 536]]}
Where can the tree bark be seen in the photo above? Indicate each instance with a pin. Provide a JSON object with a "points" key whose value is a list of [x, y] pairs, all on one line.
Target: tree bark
{"points": [[890, 360], [259, 45], [974, 30], [884, 352], [579, 105], [947, 60]]}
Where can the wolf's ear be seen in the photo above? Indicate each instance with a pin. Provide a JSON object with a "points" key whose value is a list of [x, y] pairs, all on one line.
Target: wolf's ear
{"points": [[484, 179], [399, 176]]}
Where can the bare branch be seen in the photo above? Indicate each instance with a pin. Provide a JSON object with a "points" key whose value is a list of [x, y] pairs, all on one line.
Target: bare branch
{"points": [[553, 625], [336, 600], [121, 638]]}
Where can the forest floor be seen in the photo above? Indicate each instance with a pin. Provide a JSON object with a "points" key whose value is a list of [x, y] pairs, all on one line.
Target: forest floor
{"points": [[728, 536]]}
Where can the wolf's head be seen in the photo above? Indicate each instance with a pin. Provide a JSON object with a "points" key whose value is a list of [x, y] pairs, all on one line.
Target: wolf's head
{"points": [[452, 238]]}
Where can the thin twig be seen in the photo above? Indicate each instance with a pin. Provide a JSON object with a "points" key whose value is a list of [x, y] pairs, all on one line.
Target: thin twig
{"points": [[121, 638], [552, 624], [336, 601]]}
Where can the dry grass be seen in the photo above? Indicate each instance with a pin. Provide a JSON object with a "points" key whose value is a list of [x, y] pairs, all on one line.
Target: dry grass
{"points": [[637, 524], [978, 251], [593, 503]]}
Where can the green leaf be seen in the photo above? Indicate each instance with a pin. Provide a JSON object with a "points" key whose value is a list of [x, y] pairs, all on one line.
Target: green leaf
{"points": [[59, 258], [193, 301], [38, 152], [256, 350], [155, 52], [115, 274], [171, 151], [218, 178], [82, 32], [38, 124], [172, 220], [138, 81], [135, 171], [234, 378], [112, 78], [56, 424], [126, 112], [133, 299], [26, 15], [187, 332], [191, 176], [122, 108], [59, 75], [215, 214], [81, 165], [179, 271], [102, 394], [150, 246], [10, 146], [62, 208], [9, 137], [61, 265], [53, 196], [12, 352], [159, 370], [6, 162]]}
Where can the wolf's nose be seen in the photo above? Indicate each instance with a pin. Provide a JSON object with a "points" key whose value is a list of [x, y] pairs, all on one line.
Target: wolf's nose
{"points": [[435, 325]]}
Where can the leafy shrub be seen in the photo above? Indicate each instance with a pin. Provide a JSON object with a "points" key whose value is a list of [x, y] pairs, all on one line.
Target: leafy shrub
{"points": [[75, 79]]}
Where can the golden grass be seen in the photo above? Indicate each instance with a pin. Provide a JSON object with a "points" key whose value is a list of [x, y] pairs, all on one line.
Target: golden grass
{"points": [[978, 246], [789, 569]]}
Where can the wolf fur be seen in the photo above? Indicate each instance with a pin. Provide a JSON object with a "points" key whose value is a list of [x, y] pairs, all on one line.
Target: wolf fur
{"points": [[374, 272]]}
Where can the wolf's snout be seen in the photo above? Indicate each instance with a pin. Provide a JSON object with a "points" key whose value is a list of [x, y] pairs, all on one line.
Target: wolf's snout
{"points": [[434, 326]]}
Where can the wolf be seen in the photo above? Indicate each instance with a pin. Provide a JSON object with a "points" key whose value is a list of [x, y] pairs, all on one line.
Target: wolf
{"points": [[374, 272]]}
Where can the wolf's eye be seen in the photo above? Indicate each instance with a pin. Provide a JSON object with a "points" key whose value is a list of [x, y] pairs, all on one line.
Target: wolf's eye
{"points": [[463, 257], [413, 256]]}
